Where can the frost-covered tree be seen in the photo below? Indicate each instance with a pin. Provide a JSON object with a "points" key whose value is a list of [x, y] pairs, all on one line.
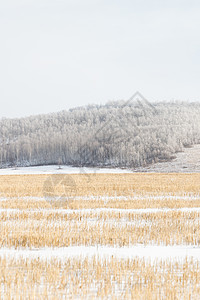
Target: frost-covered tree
{"points": [[114, 134]]}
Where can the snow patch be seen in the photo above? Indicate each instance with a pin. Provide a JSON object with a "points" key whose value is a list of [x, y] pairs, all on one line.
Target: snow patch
{"points": [[53, 169], [139, 251]]}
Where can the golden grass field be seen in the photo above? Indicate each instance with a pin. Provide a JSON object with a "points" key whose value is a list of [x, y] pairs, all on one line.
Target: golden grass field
{"points": [[116, 210], [103, 184], [88, 279]]}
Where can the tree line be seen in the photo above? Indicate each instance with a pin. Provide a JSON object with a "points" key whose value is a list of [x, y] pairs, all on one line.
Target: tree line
{"points": [[116, 134]]}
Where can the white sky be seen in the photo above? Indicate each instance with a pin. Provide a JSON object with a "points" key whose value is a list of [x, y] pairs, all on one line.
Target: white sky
{"points": [[57, 54]]}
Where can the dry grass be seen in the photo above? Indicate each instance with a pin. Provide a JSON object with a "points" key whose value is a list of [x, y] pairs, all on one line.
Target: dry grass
{"points": [[104, 228], [100, 202], [95, 278], [99, 184], [38, 222]]}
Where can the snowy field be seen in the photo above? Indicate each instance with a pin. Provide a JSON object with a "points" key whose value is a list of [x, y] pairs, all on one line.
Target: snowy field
{"points": [[54, 169], [149, 252], [120, 234]]}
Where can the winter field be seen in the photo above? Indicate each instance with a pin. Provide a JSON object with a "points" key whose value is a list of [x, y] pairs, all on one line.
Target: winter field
{"points": [[115, 236]]}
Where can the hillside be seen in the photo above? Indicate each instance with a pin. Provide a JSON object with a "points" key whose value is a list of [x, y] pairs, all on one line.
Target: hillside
{"points": [[187, 161], [118, 134]]}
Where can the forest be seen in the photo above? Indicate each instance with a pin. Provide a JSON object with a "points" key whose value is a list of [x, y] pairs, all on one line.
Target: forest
{"points": [[117, 134]]}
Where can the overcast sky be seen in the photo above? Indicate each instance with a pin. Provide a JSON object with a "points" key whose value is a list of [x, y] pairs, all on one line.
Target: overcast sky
{"points": [[57, 54]]}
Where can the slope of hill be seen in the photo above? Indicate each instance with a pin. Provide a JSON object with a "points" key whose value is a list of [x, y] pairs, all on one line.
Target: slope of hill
{"points": [[187, 161], [116, 135]]}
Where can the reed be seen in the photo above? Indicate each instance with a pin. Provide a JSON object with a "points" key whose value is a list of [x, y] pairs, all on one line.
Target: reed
{"points": [[39, 211], [97, 278]]}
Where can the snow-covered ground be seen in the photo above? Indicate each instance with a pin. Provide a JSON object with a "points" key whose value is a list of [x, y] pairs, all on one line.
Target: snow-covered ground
{"points": [[140, 251], [53, 169], [163, 197], [99, 210]]}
